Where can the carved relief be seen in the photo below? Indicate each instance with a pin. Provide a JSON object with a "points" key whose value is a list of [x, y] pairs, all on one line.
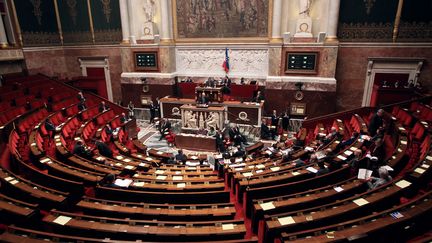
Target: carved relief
{"points": [[209, 61]]}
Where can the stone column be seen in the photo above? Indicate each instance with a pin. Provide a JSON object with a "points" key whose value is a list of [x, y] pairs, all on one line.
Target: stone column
{"points": [[165, 34], [3, 37], [124, 20], [276, 23], [333, 18], [130, 7]]}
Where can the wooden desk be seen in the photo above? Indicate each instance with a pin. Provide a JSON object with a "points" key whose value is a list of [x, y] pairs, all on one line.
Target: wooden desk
{"points": [[200, 143]]}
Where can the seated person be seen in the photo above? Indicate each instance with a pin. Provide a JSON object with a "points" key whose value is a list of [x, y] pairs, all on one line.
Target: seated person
{"points": [[322, 169], [109, 132], [82, 106], [258, 98], [189, 80], [211, 132], [347, 142], [104, 149], [355, 161], [384, 177], [50, 127], [236, 136], [123, 118], [332, 135], [103, 107], [80, 150], [108, 181], [180, 157]]}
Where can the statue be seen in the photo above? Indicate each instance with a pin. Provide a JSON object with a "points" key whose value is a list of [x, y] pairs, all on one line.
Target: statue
{"points": [[305, 8], [304, 22], [149, 9], [148, 26]]}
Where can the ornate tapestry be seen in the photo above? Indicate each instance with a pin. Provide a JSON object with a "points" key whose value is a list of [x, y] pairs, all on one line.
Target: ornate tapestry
{"points": [[38, 24], [222, 18]]}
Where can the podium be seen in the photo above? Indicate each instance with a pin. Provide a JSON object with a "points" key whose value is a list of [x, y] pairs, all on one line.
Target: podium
{"points": [[214, 95]]}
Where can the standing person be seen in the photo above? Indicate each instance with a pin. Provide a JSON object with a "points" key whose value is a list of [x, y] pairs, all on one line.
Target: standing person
{"points": [[152, 111], [81, 97], [220, 141], [285, 121], [157, 108], [376, 122], [274, 123], [131, 108]]}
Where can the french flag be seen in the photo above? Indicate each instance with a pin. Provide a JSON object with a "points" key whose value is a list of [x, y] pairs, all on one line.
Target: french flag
{"points": [[225, 64]]}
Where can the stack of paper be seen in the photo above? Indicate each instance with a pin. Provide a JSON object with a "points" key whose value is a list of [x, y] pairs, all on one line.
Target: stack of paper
{"points": [[123, 182], [338, 189], [177, 178], [312, 169], [286, 220], [181, 185], [248, 174], [161, 177], [360, 201], [227, 226], [364, 174], [62, 220], [403, 183], [275, 168], [159, 172], [267, 206]]}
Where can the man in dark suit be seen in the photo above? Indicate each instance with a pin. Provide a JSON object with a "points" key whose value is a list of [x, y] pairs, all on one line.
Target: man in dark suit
{"points": [[265, 130], [180, 157], [82, 106], [236, 136], [189, 80], [103, 149], [152, 111], [203, 99], [80, 150], [219, 141], [103, 107], [258, 98], [375, 122], [227, 81], [81, 97]]}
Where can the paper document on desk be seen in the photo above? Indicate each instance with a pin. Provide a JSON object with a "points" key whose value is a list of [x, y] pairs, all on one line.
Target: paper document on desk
{"points": [[312, 169], [123, 182], [62, 220], [286, 220], [364, 174], [267, 206]]}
